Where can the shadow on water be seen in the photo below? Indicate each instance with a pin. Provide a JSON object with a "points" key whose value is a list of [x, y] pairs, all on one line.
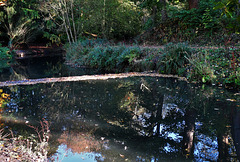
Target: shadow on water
{"points": [[42, 67], [131, 119]]}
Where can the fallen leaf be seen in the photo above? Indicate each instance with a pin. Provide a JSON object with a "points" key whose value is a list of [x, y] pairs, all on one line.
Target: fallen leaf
{"points": [[232, 100], [122, 156]]}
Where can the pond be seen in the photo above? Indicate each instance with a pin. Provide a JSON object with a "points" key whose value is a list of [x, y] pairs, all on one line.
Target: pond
{"points": [[42, 68], [130, 119]]}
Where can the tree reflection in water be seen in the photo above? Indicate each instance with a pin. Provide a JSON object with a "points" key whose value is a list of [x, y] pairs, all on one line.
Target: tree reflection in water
{"points": [[135, 119]]}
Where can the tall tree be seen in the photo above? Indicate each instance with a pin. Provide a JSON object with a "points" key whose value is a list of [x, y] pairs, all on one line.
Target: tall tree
{"points": [[104, 18], [61, 13], [155, 8], [19, 19]]}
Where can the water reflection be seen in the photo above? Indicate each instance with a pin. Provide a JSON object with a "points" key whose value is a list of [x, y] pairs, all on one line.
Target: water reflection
{"points": [[65, 154], [132, 119], [42, 68]]}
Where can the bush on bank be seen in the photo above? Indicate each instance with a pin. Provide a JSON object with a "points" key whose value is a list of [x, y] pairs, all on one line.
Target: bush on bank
{"points": [[218, 66], [31, 148], [5, 58]]}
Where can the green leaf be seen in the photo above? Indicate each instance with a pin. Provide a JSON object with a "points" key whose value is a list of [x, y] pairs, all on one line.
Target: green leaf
{"points": [[220, 5], [229, 14], [204, 80]]}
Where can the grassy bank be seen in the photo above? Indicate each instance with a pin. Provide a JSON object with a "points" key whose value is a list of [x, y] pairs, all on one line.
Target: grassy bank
{"points": [[216, 66]]}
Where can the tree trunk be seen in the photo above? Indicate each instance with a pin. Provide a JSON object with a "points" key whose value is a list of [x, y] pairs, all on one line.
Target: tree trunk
{"points": [[164, 10], [154, 13], [193, 4], [236, 132], [188, 135], [159, 114], [73, 22], [223, 147], [164, 14], [104, 19]]}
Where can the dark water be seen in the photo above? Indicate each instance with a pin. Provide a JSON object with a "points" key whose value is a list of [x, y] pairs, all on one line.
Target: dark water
{"points": [[42, 68], [133, 119]]}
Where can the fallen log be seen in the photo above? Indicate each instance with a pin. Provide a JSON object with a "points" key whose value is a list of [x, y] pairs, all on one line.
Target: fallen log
{"points": [[84, 78]]}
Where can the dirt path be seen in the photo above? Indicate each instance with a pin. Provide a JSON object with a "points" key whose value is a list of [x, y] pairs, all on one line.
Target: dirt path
{"points": [[197, 47], [84, 77]]}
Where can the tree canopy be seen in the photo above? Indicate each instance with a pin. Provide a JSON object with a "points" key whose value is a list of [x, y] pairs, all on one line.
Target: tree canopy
{"points": [[68, 21]]}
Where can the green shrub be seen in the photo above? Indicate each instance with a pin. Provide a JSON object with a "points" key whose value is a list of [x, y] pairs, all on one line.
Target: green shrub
{"points": [[95, 57], [112, 61], [173, 59], [200, 68], [127, 58], [5, 58], [234, 78], [151, 58], [205, 65], [104, 56], [76, 51]]}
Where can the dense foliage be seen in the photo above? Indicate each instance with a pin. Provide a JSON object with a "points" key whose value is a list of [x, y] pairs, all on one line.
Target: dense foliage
{"points": [[154, 21], [89, 29], [19, 22], [79, 25], [5, 58], [217, 66]]}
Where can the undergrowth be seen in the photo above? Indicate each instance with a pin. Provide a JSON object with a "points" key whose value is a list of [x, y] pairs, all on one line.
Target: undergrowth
{"points": [[5, 58], [19, 148], [216, 66]]}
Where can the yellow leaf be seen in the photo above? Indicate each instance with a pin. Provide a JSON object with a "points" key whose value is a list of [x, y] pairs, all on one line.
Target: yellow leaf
{"points": [[232, 100], [5, 96]]}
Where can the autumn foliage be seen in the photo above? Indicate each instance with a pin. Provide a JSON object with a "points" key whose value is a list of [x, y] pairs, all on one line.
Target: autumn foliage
{"points": [[3, 2]]}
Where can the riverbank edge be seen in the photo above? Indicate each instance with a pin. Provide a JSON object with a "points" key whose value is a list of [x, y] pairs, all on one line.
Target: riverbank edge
{"points": [[206, 58]]}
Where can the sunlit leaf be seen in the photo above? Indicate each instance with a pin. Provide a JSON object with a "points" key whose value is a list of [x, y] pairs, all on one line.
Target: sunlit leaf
{"points": [[232, 100], [220, 5]]}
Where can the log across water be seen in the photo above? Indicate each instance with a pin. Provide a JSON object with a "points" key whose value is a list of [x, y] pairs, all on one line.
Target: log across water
{"points": [[83, 78]]}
